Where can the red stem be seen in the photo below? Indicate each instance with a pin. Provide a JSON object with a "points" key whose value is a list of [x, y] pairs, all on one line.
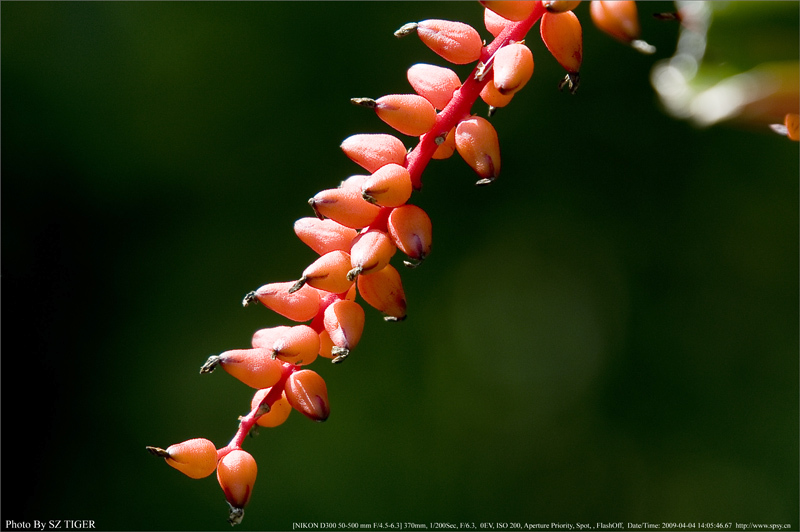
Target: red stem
{"points": [[461, 104], [416, 161], [247, 423]]}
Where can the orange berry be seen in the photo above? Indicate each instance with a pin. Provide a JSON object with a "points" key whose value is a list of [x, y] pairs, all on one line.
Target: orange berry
{"points": [[370, 252], [371, 151], [383, 290], [491, 96], [563, 36], [410, 114], [307, 393], [456, 42], [301, 305], [435, 83], [513, 67], [345, 206], [389, 186], [266, 337], [278, 412], [620, 20], [477, 143], [510, 10], [236, 474], [411, 231], [254, 367], [324, 236], [560, 6], [299, 345], [447, 147], [344, 321], [494, 22], [329, 273], [196, 458], [792, 123]]}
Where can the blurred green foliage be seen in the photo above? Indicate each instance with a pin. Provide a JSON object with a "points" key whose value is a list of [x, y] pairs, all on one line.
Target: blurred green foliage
{"points": [[608, 333]]}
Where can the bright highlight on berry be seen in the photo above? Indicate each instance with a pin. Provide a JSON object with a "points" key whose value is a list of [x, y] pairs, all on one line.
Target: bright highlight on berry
{"points": [[195, 458], [236, 474]]}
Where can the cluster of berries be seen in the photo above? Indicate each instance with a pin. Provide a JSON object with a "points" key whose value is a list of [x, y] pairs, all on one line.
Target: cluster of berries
{"points": [[361, 224]]}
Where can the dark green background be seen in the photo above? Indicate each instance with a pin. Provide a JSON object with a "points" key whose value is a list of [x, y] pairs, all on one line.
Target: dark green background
{"points": [[608, 333]]}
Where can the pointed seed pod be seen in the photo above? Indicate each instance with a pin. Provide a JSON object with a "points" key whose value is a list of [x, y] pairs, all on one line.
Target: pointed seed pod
{"points": [[329, 273], [236, 474], [324, 236], [266, 337], [383, 290], [345, 206], [493, 98], [434, 83], [370, 252], [410, 114], [371, 151], [344, 321], [307, 393], [494, 23], [299, 345], [563, 36], [513, 67], [301, 305], [510, 10], [254, 367], [620, 20], [389, 186], [478, 145], [411, 230], [278, 412], [196, 458], [456, 42]]}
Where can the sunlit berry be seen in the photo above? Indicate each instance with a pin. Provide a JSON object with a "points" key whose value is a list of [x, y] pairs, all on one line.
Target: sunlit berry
{"points": [[308, 394], [254, 367], [513, 67], [278, 412], [345, 206], [383, 290], [560, 6], [344, 321], [196, 458], [329, 273], [620, 20], [478, 145], [371, 251], [323, 236], [446, 147], [410, 114], [411, 231], [435, 83], [266, 337], [371, 151], [301, 305], [511, 10], [389, 186], [493, 97], [299, 345], [562, 34], [456, 42], [494, 23], [236, 474]]}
